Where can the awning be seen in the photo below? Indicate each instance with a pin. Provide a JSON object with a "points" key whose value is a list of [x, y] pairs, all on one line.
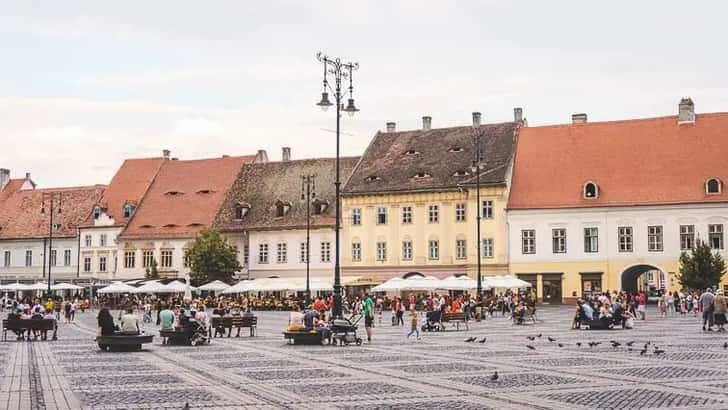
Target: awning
{"points": [[504, 282], [215, 285], [66, 286], [363, 281], [458, 283], [412, 283], [117, 287]]}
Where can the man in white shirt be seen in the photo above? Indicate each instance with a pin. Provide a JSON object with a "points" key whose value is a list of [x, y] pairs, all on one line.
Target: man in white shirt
{"points": [[129, 322]]}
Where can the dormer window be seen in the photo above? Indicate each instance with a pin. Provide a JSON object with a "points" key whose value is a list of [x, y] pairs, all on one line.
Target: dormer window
{"points": [[455, 149], [241, 209], [320, 207], [461, 173], [173, 193], [713, 186], [146, 226], [591, 190], [204, 191], [371, 178], [96, 212], [171, 226], [128, 210], [421, 175], [410, 152], [282, 208]]}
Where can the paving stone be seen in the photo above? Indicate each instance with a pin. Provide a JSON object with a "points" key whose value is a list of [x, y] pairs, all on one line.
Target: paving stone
{"points": [[630, 399]]}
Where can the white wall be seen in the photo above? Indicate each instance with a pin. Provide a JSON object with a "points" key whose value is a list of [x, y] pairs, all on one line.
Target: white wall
{"points": [[177, 245], [95, 251], [17, 269]]}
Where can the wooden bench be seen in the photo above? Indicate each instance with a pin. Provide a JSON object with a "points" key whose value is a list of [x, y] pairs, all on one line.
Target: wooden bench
{"points": [[249, 321], [303, 338], [29, 325], [122, 342], [457, 318]]}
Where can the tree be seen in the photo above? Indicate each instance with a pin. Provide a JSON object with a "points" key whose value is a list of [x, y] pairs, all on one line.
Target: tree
{"points": [[700, 268], [211, 257], [152, 271]]}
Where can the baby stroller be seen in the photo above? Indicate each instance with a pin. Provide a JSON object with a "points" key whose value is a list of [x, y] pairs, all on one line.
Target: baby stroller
{"points": [[434, 322], [200, 335], [343, 331]]}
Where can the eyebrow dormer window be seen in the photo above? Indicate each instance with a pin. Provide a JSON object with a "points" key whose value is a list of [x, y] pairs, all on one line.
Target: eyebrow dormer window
{"points": [[173, 193], [241, 209], [455, 149], [591, 190], [371, 178], [421, 175], [282, 208], [204, 191], [713, 186], [411, 152], [460, 173]]}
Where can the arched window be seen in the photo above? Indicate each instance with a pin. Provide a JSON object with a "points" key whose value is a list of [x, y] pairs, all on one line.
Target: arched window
{"points": [[713, 186], [591, 190], [128, 210]]}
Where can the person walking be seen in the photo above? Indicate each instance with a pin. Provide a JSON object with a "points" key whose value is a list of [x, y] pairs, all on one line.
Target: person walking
{"points": [[720, 306], [670, 303], [706, 306], [368, 312], [642, 305], [400, 312], [413, 321]]}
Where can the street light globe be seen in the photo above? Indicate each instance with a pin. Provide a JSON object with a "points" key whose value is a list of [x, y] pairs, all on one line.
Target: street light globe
{"points": [[351, 108]]}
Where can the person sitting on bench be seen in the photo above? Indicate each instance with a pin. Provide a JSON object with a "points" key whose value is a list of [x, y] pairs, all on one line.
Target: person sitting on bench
{"points": [[129, 323], [166, 319], [311, 322]]}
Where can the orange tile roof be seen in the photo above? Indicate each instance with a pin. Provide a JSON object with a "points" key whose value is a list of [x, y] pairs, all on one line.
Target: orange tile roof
{"points": [[184, 197], [633, 162], [21, 217], [128, 186]]}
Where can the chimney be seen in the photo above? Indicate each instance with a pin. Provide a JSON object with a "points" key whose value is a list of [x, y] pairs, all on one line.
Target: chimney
{"points": [[686, 111], [578, 118], [261, 157], [286, 154], [476, 119], [166, 153], [391, 126], [426, 123], [225, 156], [4, 177], [518, 114]]}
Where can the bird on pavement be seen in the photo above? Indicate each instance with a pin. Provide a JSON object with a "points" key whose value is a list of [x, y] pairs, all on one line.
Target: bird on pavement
{"points": [[530, 347], [642, 352], [659, 352], [530, 338], [630, 343], [539, 335], [482, 340], [551, 339], [494, 377], [615, 344], [470, 339], [578, 344], [725, 345], [561, 345]]}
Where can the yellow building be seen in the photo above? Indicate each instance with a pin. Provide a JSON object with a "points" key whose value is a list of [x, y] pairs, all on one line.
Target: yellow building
{"points": [[410, 203]]}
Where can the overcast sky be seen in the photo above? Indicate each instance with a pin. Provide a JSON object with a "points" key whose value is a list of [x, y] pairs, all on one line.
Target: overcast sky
{"points": [[84, 85]]}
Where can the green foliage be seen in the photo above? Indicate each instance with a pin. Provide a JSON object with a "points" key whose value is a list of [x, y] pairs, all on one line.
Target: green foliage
{"points": [[700, 268], [211, 257], [152, 272]]}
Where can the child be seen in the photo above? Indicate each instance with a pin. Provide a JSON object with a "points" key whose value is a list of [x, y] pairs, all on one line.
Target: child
{"points": [[413, 317]]}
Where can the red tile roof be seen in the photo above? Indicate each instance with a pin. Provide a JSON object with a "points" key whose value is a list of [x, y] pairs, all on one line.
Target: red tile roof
{"points": [[129, 184], [633, 162], [21, 217], [184, 197]]}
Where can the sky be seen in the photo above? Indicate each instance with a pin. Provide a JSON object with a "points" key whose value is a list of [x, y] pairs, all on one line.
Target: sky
{"points": [[86, 84]]}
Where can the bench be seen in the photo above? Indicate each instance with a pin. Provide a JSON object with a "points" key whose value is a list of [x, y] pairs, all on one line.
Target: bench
{"points": [[121, 342], [457, 318], [29, 325], [304, 338], [249, 321]]}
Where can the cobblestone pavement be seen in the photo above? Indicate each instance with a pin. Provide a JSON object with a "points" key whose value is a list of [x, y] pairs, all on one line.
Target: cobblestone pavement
{"points": [[440, 371]]}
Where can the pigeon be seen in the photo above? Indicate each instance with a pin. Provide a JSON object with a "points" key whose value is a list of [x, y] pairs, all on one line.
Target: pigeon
{"points": [[530, 347], [494, 377], [578, 344], [592, 344], [561, 345], [470, 339], [482, 340], [642, 352], [630, 343], [615, 344], [530, 338], [630, 350], [725, 345], [539, 335], [551, 339], [659, 352]]}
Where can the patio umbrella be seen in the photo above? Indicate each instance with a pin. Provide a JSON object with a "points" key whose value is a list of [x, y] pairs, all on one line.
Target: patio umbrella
{"points": [[152, 286], [214, 286], [390, 285], [504, 282], [117, 287], [13, 287], [37, 286], [458, 283], [177, 287], [243, 286], [66, 286]]}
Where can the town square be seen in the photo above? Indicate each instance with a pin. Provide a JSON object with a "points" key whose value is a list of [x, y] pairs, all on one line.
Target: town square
{"points": [[370, 205]]}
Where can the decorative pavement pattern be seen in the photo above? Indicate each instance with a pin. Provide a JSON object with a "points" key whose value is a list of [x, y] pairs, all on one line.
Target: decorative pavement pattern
{"points": [[440, 371]]}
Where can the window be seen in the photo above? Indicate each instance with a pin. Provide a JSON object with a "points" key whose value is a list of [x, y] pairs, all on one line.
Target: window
{"points": [[460, 212], [102, 240], [434, 214], [624, 235], [241, 210], [87, 240], [528, 241], [282, 252], [56, 227], [96, 212], [263, 253], [558, 238], [591, 190], [715, 236], [6, 259], [303, 252], [713, 186], [165, 256], [433, 249], [54, 258], [591, 240], [87, 264], [282, 208], [654, 238], [687, 237], [356, 216], [488, 247], [460, 252], [488, 209], [147, 258], [128, 210], [246, 255], [67, 257], [129, 259], [186, 258], [325, 251], [102, 263], [381, 251], [407, 250], [406, 214], [381, 215], [28, 258], [356, 252]]}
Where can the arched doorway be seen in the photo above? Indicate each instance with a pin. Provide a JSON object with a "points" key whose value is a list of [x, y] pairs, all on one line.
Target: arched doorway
{"points": [[631, 276]]}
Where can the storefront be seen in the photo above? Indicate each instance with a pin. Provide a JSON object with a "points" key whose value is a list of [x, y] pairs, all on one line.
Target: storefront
{"points": [[591, 284]]}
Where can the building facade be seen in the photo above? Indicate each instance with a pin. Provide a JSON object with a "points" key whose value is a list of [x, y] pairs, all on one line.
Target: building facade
{"points": [[612, 205], [410, 203]]}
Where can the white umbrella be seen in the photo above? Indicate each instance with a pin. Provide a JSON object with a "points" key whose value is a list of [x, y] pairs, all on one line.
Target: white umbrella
{"points": [[117, 287], [14, 287], [390, 285], [426, 283], [458, 283], [37, 286], [152, 286], [66, 286], [504, 282], [215, 286], [178, 287], [240, 287]]}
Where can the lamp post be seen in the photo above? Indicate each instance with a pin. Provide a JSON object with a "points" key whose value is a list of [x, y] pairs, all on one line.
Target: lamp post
{"points": [[339, 70], [476, 168], [54, 199], [308, 192]]}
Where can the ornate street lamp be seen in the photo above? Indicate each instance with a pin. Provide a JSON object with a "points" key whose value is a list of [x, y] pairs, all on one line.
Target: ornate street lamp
{"points": [[476, 168], [55, 200], [339, 70], [308, 193]]}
